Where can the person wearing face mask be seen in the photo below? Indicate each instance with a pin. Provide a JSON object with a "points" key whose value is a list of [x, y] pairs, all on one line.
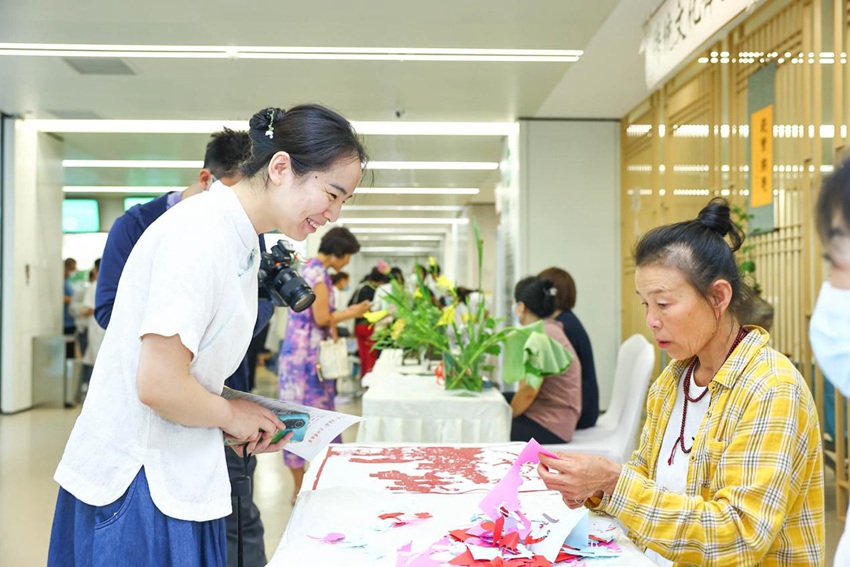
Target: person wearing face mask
{"points": [[829, 329], [549, 411], [143, 479], [729, 469], [341, 289]]}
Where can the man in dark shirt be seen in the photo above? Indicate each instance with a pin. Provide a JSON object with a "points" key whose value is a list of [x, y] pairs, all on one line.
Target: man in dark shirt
{"points": [[224, 153]]}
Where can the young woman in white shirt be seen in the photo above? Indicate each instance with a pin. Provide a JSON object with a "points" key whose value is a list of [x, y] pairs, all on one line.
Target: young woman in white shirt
{"points": [[143, 479]]}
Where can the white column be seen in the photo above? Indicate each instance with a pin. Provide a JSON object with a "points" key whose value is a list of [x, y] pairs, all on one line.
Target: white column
{"points": [[32, 255], [569, 218]]}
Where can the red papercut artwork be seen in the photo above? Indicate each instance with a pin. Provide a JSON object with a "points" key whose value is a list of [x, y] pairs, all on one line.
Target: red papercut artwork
{"points": [[440, 467]]}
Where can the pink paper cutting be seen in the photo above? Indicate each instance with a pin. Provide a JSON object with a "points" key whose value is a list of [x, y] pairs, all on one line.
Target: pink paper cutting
{"points": [[505, 492], [332, 537]]}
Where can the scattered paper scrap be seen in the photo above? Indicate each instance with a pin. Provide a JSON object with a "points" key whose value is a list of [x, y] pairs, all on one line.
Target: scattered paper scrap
{"points": [[333, 537], [399, 519], [508, 536]]}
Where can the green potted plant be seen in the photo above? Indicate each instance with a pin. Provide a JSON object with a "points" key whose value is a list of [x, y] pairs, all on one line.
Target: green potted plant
{"points": [[462, 341]]}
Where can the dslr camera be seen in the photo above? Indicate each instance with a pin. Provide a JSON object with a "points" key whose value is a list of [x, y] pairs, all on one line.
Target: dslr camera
{"points": [[279, 280]]}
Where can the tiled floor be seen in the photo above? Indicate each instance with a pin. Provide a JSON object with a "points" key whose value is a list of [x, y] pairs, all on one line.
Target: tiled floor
{"points": [[31, 444]]}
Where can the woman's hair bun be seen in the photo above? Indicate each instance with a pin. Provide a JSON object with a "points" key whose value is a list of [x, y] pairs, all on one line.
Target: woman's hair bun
{"points": [[717, 216], [262, 120]]}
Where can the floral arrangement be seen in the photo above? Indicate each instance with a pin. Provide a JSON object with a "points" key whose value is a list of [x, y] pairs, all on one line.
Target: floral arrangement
{"points": [[462, 333]]}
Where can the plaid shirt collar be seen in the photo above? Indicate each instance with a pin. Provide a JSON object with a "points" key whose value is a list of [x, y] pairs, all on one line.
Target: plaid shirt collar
{"points": [[729, 373]]}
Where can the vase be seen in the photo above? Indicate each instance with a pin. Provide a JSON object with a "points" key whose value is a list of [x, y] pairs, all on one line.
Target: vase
{"points": [[460, 374]]}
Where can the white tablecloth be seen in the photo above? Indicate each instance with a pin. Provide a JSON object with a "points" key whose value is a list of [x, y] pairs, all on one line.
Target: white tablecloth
{"points": [[411, 408], [348, 487]]}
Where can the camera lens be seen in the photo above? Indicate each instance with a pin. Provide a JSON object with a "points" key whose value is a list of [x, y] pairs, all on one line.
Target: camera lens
{"points": [[298, 424], [294, 290]]}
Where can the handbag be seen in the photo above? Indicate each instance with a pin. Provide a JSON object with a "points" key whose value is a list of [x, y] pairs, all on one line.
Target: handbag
{"points": [[333, 360]]}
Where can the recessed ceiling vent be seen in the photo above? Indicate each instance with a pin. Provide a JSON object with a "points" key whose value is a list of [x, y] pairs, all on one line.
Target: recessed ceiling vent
{"points": [[98, 66]]}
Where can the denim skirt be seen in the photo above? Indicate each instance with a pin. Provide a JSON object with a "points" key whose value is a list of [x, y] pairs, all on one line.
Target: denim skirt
{"points": [[131, 532]]}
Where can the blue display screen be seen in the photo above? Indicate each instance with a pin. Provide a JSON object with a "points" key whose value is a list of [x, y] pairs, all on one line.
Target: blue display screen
{"points": [[80, 215]]}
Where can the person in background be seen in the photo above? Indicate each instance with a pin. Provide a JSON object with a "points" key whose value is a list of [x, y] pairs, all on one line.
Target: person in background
{"points": [[829, 330], [299, 352], [565, 301], [729, 469], [379, 303], [224, 153], [94, 332], [548, 413], [143, 476], [81, 313], [68, 326], [429, 276], [340, 286], [362, 328]]}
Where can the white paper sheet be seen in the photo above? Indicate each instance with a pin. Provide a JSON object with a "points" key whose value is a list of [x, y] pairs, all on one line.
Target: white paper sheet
{"points": [[324, 425]]}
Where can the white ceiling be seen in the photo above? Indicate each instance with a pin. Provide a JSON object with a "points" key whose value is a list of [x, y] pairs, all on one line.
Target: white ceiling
{"points": [[47, 87]]}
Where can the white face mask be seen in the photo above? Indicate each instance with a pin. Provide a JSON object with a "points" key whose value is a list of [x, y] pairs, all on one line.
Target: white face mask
{"points": [[829, 333]]}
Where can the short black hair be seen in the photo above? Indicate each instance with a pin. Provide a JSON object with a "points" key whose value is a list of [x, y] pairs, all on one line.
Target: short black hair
{"points": [[226, 151], [377, 276], [538, 295], [338, 242], [698, 248], [339, 276], [397, 274], [834, 198]]}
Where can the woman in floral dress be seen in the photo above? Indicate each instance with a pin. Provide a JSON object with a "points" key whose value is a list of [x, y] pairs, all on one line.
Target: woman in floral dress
{"points": [[298, 379]]}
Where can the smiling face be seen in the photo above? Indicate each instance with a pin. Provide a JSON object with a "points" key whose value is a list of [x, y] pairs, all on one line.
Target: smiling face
{"points": [[301, 204], [682, 321], [837, 253]]}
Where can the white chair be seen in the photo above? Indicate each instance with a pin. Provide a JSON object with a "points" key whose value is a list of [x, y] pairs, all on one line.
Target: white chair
{"points": [[615, 432]]}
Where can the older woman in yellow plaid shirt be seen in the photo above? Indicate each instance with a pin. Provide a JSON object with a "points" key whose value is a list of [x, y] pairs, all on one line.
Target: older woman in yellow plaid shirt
{"points": [[729, 468]]}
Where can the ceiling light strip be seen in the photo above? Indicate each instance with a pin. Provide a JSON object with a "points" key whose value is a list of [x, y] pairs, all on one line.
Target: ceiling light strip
{"points": [[385, 221], [193, 164], [437, 165], [400, 237], [154, 190], [360, 191], [397, 249], [428, 208], [293, 52], [388, 230], [134, 163], [418, 191], [289, 49], [366, 128]]}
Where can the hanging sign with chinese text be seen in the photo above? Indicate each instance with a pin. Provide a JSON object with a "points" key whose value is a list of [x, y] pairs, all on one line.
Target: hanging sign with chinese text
{"points": [[680, 27], [761, 96]]}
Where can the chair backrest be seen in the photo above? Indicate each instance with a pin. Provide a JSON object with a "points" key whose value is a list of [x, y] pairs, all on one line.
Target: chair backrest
{"points": [[643, 364], [635, 361]]}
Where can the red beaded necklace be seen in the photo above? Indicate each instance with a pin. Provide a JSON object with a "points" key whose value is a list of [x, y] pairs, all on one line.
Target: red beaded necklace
{"points": [[680, 442]]}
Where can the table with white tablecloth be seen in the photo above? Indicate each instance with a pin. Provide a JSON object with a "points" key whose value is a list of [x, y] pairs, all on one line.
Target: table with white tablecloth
{"points": [[413, 408], [349, 489]]}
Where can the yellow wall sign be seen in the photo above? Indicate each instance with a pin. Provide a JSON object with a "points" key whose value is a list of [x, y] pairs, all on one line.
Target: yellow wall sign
{"points": [[761, 157]]}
